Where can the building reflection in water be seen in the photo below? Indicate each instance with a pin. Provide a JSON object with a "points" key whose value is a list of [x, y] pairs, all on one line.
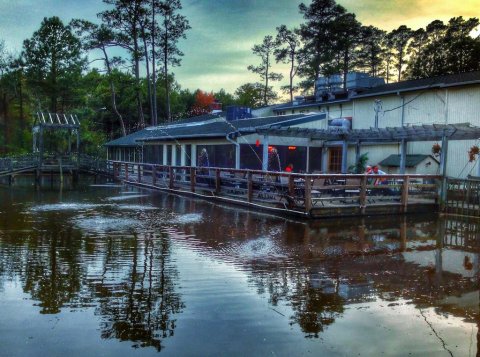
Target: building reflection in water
{"points": [[324, 266]]}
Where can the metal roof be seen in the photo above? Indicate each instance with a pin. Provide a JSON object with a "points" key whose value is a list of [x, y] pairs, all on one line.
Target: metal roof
{"points": [[410, 160], [450, 80], [216, 127], [432, 132]]}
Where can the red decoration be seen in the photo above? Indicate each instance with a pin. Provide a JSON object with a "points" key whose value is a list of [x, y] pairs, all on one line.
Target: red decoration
{"points": [[257, 143]]}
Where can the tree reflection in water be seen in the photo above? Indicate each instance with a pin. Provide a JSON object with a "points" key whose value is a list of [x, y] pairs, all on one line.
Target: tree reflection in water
{"points": [[141, 305], [130, 279]]}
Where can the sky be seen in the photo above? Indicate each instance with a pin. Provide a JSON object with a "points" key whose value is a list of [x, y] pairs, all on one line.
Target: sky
{"points": [[218, 47]]}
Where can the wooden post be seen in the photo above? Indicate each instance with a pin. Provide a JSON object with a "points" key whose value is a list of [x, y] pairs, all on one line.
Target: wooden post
{"points": [[443, 170], [308, 195], [171, 177], [126, 172], [363, 194], [291, 186], [250, 186], [403, 156], [192, 179], [404, 199], [154, 175], [218, 182]]}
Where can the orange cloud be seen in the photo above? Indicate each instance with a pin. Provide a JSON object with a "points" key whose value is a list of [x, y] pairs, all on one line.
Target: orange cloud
{"points": [[389, 14]]}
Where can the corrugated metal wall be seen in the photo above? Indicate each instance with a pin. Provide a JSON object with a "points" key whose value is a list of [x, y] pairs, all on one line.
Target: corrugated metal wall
{"points": [[449, 105]]}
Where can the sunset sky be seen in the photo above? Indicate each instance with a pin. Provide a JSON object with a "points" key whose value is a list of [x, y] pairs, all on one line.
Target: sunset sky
{"points": [[218, 48]]}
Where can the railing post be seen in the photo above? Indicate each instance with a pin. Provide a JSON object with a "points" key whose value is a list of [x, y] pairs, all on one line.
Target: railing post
{"points": [[291, 186], [154, 175], [170, 177], [404, 198], [249, 186], [139, 173], [218, 182], [193, 179], [126, 172], [308, 194], [363, 194]]}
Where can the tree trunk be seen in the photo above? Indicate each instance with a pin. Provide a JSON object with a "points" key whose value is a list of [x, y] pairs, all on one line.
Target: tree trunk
{"points": [[5, 122], [154, 74], [136, 59], [267, 64], [165, 66], [147, 64], [292, 58], [113, 93]]}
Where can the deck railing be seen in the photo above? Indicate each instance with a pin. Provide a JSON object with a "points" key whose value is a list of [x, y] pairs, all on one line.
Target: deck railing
{"points": [[463, 196], [305, 194]]}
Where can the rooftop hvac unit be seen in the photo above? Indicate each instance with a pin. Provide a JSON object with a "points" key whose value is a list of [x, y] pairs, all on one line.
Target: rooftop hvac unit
{"points": [[236, 113], [358, 80]]}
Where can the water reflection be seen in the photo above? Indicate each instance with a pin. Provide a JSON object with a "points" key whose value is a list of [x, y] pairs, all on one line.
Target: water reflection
{"points": [[81, 250], [318, 268], [141, 305]]}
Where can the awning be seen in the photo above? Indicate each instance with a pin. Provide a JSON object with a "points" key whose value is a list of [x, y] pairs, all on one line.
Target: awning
{"points": [[430, 132]]}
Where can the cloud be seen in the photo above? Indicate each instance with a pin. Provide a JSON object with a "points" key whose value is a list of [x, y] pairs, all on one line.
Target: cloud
{"points": [[413, 13], [218, 47]]}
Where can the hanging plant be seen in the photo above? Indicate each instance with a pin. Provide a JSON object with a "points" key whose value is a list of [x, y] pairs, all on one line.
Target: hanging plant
{"points": [[473, 152], [436, 149]]}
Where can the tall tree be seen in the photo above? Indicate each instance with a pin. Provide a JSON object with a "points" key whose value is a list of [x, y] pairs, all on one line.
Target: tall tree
{"points": [[288, 51], [441, 49], [370, 51], [51, 55], [318, 35], [102, 38], [399, 40], [463, 51], [172, 26], [126, 18], [346, 34], [265, 52]]}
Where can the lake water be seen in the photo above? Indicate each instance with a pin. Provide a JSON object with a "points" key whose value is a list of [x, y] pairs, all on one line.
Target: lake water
{"points": [[107, 270]]}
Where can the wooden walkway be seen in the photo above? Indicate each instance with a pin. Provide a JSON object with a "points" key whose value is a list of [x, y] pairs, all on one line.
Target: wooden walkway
{"points": [[310, 196], [68, 164]]}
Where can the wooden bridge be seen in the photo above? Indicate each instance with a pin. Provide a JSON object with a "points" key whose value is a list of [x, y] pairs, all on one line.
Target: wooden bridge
{"points": [[39, 165]]}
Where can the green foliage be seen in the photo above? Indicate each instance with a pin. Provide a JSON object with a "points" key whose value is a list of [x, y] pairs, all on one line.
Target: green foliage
{"points": [[441, 49], [251, 95], [266, 52], [53, 62], [360, 166]]}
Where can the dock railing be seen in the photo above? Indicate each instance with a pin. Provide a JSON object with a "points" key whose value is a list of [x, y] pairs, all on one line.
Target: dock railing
{"points": [[305, 194], [463, 196]]}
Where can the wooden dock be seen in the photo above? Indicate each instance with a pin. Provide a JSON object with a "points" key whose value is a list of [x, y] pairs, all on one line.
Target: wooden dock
{"points": [[305, 195]]}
